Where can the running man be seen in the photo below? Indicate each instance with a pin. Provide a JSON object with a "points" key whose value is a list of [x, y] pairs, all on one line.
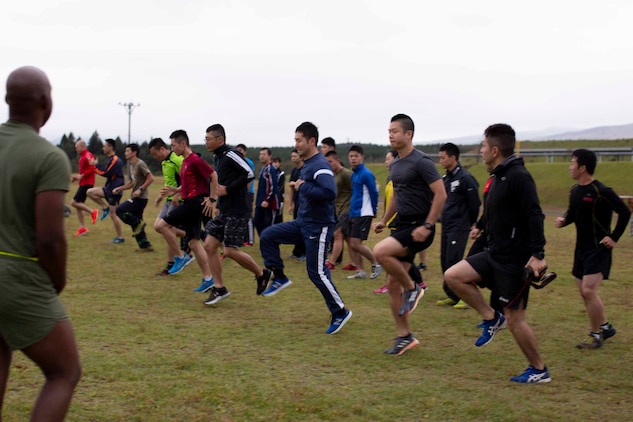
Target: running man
{"points": [[131, 211], [33, 247], [418, 198], [198, 187], [314, 225], [113, 172], [591, 206], [266, 204], [227, 230], [513, 226], [86, 179]]}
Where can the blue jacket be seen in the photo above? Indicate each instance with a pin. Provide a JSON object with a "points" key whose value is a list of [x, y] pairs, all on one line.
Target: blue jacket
{"points": [[364, 202], [317, 193]]}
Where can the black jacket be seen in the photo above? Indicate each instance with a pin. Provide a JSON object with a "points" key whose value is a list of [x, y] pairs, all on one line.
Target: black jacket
{"points": [[461, 208], [513, 219], [234, 173]]}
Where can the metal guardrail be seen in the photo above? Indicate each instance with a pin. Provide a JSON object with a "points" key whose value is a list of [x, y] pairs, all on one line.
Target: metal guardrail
{"points": [[618, 153]]}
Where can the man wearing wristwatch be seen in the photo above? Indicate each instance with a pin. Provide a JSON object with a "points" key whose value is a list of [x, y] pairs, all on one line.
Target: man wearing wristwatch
{"points": [[418, 198], [131, 211]]}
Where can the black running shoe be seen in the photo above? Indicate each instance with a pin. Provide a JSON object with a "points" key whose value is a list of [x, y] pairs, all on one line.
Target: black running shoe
{"points": [[262, 282], [217, 294], [608, 333], [402, 344]]}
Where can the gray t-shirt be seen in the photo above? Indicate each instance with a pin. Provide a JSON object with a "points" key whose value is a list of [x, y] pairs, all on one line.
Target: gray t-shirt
{"points": [[411, 178], [138, 173]]}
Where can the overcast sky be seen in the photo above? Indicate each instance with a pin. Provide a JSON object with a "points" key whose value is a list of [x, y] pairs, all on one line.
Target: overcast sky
{"points": [[262, 67]]}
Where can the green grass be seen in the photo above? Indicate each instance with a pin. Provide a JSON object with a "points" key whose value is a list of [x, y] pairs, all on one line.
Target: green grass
{"points": [[151, 351]]}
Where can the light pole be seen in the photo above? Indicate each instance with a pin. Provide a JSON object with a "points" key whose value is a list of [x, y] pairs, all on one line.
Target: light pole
{"points": [[130, 108]]}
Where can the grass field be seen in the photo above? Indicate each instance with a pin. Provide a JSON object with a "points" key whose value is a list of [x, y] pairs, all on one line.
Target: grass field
{"points": [[151, 351]]}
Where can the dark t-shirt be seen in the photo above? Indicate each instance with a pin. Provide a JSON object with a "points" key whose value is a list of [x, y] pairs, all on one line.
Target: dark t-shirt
{"points": [[411, 178]]}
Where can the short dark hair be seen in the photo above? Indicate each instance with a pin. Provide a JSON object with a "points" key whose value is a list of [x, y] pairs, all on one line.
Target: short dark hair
{"points": [[450, 149], [179, 135], [587, 158], [217, 128], [394, 153], [356, 148], [329, 141], [133, 148], [268, 150], [503, 137], [332, 153], [405, 121], [309, 130], [276, 159], [241, 146], [157, 143], [111, 141], [295, 150]]}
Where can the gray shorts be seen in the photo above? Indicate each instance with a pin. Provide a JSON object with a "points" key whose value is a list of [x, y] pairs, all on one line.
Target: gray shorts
{"points": [[167, 207], [228, 229]]}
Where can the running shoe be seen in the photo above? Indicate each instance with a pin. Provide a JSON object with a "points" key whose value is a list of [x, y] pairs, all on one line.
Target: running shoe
{"points": [[338, 321], [277, 286], [94, 215], [262, 282], [422, 266], [533, 376], [216, 295], [350, 267], [331, 266], [205, 285], [490, 329], [105, 213], [608, 333], [164, 272], [180, 262], [382, 290], [81, 231], [591, 342], [301, 258], [376, 270], [402, 344], [423, 285], [410, 299], [446, 302], [136, 230], [461, 305], [357, 274], [118, 240]]}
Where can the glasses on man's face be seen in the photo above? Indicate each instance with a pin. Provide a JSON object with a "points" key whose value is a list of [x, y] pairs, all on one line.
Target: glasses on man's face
{"points": [[209, 138]]}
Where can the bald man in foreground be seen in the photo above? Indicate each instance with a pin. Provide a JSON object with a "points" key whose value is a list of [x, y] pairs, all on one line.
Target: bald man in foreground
{"points": [[34, 180]]}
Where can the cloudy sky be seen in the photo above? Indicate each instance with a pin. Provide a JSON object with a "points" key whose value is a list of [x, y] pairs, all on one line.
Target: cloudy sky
{"points": [[262, 67]]}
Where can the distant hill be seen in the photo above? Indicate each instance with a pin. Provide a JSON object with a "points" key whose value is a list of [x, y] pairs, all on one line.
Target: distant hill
{"points": [[595, 133], [559, 134]]}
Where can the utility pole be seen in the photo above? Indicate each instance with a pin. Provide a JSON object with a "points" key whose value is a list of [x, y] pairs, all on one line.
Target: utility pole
{"points": [[130, 108]]}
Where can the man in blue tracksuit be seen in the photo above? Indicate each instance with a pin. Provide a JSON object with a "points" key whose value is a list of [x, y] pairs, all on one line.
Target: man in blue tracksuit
{"points": [[314, 226]]}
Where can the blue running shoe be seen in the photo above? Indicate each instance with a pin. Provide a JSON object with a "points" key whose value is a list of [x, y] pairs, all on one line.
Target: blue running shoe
{"points": [[490, 328], [205, 286], [179, 264], [118, 240], [338, 322], [533, 376], [277, 286], [106, 212]]}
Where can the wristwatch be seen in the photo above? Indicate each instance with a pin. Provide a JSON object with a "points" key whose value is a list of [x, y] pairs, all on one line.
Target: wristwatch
{"points": [[428, 225], [212, 199]]}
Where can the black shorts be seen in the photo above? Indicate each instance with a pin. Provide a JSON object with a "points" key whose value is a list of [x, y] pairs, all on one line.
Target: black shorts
{"points": [[505, 279], [592, 261], [187, 215], [81, 194], [111, 198], [359, 227], [343, 223], [229, 229], [403, 235]]}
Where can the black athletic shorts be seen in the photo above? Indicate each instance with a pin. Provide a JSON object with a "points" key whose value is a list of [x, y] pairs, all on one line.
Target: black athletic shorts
{"points": [[343, 223], [403, 235], [111, 198], [359, 227], [81, 194], [188, 215], [592, 261], [505, 279]]}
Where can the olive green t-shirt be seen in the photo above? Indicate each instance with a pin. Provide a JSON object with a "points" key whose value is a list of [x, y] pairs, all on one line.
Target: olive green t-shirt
{"points": [[29, 164], [138, 173], [343, 181]]}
